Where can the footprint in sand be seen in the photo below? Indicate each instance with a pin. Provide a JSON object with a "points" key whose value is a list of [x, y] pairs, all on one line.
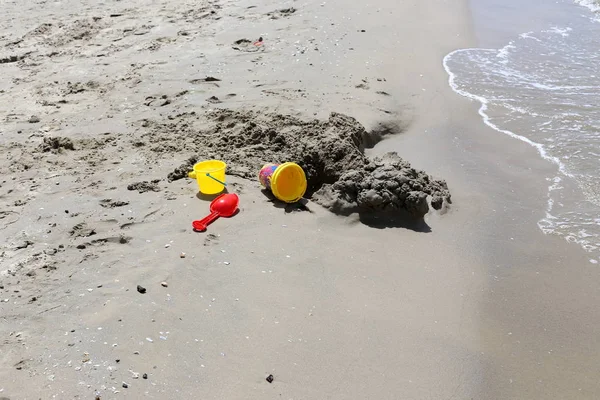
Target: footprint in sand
{"points": [[248, 46], [211, 239]]}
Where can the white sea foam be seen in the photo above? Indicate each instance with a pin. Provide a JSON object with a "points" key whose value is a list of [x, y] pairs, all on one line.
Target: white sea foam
{"points": [[564, 32], [503, 53], [528, 35], [593, 5]]}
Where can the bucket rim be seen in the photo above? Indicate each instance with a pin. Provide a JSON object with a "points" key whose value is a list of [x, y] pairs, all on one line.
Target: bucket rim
{"points": [[301, 189], [222, 166]]}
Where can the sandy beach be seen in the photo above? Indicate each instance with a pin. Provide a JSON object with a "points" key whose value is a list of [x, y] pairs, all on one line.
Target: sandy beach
{"points": [[474, 302]]}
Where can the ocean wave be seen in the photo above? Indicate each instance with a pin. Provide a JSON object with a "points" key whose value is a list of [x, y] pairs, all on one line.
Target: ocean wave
{"points": [[485, 102]]}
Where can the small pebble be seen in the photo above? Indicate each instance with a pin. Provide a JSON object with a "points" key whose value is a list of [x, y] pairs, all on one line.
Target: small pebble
{"points": [[270, 378], [182, 255], [167, 246], [125, 385], [150, 340], [141, 289], [145, 376], [164, 284], [226, 262]]}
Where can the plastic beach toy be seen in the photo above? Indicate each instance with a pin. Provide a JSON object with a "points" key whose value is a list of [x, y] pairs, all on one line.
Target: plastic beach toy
{"points": [[210, 176], [287, 181], [224, 205]]}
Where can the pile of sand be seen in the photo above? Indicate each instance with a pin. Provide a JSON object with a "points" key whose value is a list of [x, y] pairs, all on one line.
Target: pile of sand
{"points": [[340, 176]]}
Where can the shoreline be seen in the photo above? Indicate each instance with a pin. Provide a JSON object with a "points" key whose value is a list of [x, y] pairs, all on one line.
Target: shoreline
{"points": [[565, 191], [483, 306]]}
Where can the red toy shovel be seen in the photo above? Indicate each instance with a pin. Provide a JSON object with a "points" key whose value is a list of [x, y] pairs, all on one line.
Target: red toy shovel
{"points": [[224, 205]]}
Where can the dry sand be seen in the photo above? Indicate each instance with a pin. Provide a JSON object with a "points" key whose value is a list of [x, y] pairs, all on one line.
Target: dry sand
{"points": [[474, 304]]}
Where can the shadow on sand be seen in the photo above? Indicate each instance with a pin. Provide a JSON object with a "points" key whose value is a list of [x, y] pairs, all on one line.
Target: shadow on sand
{"points": [[399, 219], [386, 220], [210, 197], [301, 205]]}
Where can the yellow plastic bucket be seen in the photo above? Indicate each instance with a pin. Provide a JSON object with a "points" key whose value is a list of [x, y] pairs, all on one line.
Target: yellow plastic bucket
{"points": [[209, 175], [287, 181]]}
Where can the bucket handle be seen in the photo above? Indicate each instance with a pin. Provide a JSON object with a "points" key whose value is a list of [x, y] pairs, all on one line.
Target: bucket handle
{"points": [[215, 179], [192, 175]]}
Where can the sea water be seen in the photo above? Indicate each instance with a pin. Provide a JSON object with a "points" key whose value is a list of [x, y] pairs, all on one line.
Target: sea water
{"points": [[543, 88]]}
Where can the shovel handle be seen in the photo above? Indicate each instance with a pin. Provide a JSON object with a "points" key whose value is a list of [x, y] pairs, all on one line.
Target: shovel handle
{"points": [[200, 225]]}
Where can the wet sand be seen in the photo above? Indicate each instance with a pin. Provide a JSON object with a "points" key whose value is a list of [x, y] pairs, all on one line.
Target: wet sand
{"points": [[479, 305]]}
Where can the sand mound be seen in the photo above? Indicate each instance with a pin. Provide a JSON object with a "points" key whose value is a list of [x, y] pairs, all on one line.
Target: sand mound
{"points": [[386, 183], [340, 176]]}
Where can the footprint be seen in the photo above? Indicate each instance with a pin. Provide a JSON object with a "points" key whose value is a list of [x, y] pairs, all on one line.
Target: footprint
{"points": [[248, 46], [211, 238], [109, 203]]}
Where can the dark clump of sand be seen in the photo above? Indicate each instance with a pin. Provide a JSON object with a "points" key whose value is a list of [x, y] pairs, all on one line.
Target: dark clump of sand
{"points": [[145, 186], [340, 176], [183, 170], [56, 144]]}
